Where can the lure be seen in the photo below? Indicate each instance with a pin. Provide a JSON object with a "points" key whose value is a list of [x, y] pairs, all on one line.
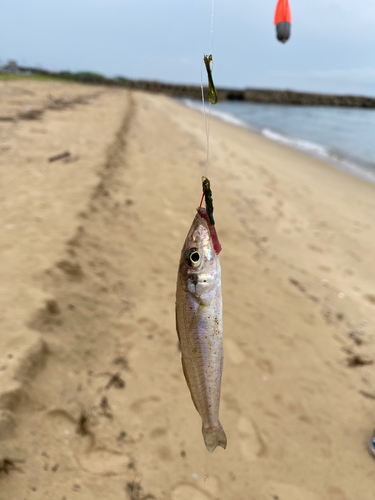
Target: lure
{"points": [[207, 193], [212, 94]]}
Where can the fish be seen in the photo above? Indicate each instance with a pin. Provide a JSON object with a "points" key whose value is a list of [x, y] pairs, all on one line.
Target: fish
{"points": [[200, 325]]}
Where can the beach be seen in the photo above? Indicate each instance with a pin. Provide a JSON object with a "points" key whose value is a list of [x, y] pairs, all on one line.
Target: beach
{"points": [[93, 401]]}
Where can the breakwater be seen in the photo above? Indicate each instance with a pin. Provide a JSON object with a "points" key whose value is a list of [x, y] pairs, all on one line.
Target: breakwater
{"points": [[265, 96]]}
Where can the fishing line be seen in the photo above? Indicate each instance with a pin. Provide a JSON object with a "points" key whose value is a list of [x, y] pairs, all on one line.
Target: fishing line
{"points": [[212, 27], [212, 95], [207, 120], [206, 124]]}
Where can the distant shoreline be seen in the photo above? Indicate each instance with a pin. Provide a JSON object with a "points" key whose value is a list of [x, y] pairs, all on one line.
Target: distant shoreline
{"points": [[264, 96]]}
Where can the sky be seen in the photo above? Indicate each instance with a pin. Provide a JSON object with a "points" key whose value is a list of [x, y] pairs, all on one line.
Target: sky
{"points": [[331, 49]]}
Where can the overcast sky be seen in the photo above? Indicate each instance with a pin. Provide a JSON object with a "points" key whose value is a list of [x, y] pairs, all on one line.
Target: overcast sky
{"points": [[332, 47]]}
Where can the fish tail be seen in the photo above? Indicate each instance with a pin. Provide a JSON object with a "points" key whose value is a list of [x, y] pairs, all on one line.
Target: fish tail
{"points": [[214, 437]]}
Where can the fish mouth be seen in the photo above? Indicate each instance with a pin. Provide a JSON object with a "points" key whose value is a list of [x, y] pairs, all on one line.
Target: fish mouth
{"points": [[215, 240]]}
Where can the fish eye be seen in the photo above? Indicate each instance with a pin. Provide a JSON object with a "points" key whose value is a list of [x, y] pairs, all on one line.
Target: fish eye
{"points": [[192, 257]]}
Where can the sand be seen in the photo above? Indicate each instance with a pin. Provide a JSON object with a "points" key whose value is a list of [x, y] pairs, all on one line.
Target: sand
{"points": [[93, 401]]}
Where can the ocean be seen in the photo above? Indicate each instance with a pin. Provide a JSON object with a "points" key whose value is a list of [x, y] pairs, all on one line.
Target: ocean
{"points": [[342, 136]]}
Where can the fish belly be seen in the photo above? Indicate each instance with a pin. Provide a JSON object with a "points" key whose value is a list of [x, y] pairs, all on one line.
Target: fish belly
{"points": [[199, 327]]}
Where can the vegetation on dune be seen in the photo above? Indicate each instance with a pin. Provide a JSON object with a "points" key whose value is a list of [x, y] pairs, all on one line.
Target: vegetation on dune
{"points": [[19, 76], [80, 76], [85, 77]]}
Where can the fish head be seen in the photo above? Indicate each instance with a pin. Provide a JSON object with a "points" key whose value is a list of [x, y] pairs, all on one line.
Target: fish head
{"points": [[199, 263]]}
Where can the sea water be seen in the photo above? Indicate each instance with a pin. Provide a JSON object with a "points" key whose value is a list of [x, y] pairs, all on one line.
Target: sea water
{"points": [[342, 136]]}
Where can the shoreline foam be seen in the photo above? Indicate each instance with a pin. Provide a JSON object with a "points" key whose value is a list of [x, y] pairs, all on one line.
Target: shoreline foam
{"points": [[338, 159]]}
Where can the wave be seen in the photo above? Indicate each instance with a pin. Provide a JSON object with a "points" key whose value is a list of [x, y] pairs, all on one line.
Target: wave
{"points": [[225, 117], [353, 166], [300, 144]]}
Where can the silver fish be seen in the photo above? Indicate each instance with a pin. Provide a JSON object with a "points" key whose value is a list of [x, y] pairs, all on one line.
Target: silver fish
{"points": [[200, 325]]}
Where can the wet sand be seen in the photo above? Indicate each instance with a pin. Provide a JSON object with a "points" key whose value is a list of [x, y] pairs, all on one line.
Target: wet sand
{"points": [[93, 402]]}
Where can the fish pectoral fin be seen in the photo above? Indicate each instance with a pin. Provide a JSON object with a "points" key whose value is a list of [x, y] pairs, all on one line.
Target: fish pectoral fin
{"points": [[214, 437], [203, 301]]}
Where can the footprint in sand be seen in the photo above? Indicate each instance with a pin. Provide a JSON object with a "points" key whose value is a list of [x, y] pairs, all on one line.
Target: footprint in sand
{"points": [[252, 444], [371, 298], [288, 491], [104, 462], [7, 425], [148, 324], [314, 248], [138, 405], [90, 458], [188, 492], [336, 493], [61, 424], [234, 353]]}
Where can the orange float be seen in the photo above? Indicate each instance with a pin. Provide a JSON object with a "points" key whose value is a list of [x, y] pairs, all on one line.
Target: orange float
{"points": [[283, 20]]}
